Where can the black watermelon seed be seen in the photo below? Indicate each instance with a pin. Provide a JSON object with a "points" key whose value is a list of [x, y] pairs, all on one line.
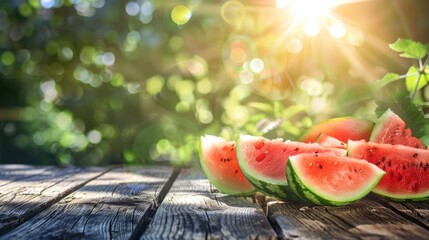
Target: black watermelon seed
{"points": [[415, 155]]}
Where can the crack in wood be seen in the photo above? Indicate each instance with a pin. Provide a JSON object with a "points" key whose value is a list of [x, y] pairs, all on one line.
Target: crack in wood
{"points": [[147, 217], [209, 230]]}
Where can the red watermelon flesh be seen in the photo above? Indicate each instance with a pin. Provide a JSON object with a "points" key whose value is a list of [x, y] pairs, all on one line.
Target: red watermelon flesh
{"points": [[219, 163], [407, 169], [266, 159], [328, 141], [343, 129], [327, 179], [390, 128]]}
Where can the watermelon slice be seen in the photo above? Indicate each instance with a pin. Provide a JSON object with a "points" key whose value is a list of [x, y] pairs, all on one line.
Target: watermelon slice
{"points": [[390, 128], [407, 169], [263, 162], [219, 163], [343, 129], [328, 141], [328, 179]]}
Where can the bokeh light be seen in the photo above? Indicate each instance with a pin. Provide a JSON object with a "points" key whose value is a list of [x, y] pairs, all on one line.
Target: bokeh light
{"points": [[312, 28], [181, 15], [257, 65], [138, 81], [337, 30], [233, 12]]}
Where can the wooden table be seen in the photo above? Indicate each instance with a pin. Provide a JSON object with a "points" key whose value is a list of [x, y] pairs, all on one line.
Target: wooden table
{"points": [[167, 203]]}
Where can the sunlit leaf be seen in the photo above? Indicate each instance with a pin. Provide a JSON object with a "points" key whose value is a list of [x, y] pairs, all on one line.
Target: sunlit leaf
{"points": [[264, 107], [409, 48], [412, 79], [388, 78], [291, 111]]}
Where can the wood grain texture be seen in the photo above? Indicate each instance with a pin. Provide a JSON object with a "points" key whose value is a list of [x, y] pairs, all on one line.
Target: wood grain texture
{"points": [[301, 221], [364, 219], [371, 219], [10, 173], [416, 210], [191, 210], [109, 207], [34, 189]]}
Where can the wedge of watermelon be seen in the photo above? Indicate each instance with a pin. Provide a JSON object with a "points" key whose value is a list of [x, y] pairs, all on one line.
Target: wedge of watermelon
{"points": [[328, 141], [343, 129], [219, 163], [407, 169], [328, 179], [263, 162], [390, 128]]}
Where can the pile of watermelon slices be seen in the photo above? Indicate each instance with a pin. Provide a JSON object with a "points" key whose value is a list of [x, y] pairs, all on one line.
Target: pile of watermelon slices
{"points": [[336, 162]]}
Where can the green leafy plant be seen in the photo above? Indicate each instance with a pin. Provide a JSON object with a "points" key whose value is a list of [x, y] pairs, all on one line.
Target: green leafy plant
{"points": [[412, 103], [417, 76]]}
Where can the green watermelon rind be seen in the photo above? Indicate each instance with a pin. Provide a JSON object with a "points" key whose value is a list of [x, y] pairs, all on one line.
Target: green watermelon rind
{"points": [[217, 184], [278, 191], [397, 197], [310, 195], [404, 197], [269, 187], [379, 124]]}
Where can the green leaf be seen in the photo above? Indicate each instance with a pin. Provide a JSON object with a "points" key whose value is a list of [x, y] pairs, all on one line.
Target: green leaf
{"points": [[401, 104], [264, 107], [425, 140], [409, 48], [291, 111], [413, 77], [388, 78]]}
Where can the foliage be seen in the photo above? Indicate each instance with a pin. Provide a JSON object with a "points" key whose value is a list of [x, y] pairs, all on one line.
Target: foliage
{"points": [[92, 82], [410, 106]]}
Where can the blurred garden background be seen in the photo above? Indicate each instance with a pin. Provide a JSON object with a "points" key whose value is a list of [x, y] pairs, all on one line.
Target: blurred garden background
{"points": [[96, 82]]}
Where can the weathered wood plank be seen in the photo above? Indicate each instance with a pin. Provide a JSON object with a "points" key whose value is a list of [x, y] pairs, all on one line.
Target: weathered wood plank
{"points": [[10, 173], [417, 210], [297, 220], [373, 219], [26, 196], [109, 207], [191, 210], [364, 219]]}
